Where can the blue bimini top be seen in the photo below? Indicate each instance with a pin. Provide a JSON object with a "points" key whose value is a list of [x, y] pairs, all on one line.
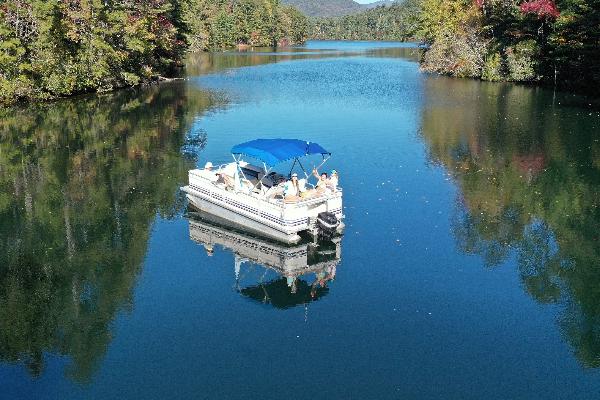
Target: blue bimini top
{"points": [[274, 151]]}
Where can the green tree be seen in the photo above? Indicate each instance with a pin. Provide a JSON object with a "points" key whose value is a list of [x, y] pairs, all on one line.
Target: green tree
{"points": [[229, 23], [58, 48], [86, 45]]}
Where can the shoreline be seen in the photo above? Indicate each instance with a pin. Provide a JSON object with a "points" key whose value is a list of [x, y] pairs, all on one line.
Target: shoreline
{"points": [[594, 100]]}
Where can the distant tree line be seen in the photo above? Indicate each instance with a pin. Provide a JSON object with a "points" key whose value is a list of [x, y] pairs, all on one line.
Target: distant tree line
{"points": [[217, 24], [396, 22], [54, 48], [557, 42]]}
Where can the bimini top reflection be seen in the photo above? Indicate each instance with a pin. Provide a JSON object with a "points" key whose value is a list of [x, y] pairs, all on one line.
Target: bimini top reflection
{"points": [[288, 275]]}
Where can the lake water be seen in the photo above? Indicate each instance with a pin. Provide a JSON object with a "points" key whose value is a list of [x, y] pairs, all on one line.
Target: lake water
{"points": [[470, 266]]}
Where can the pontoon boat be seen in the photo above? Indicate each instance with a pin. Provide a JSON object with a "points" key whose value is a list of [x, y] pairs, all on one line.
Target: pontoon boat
{"points": [[251, 196]]}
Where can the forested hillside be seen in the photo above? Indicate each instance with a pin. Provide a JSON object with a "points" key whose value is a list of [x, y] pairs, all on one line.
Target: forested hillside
{"points": [[399, 21], [326, 8], [215, 24], [334, 8], [557, 42], [54, 48], [381, 3]]}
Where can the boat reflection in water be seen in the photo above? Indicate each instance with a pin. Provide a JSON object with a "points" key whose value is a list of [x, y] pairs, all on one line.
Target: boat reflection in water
{"points": [[289, 275]]}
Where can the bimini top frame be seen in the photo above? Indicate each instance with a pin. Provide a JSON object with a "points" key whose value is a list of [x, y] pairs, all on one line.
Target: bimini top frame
{"points": [[274, 151]]}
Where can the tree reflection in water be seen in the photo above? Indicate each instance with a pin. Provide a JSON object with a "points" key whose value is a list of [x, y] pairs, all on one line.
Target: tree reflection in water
{"points": [[528, 168], [81, 182]]}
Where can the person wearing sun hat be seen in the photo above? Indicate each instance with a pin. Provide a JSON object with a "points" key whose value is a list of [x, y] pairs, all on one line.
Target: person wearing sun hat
{"points": [[291, 189], [208, 172]]}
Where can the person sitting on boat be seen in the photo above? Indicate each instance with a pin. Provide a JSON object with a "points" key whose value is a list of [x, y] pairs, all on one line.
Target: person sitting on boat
{"points": [[208, 172], [322, 182], [333, 180], [302, 188], [216, 177], [291, 189]]}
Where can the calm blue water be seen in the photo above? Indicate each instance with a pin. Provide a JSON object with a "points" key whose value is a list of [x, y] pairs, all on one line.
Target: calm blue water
{"points": [[469, 267]]}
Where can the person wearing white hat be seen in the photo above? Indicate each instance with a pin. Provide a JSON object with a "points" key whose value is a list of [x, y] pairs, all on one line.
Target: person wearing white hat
{"points": [[208, 173], [291, 189]]}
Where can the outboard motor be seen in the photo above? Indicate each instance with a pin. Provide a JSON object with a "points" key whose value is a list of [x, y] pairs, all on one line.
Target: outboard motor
{"points": [[327, 224]]}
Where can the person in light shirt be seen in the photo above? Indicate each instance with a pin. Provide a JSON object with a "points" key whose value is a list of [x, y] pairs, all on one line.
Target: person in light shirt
{"points": [[322, 181], [325, 182], [216, 177], [208, 173], [333, 180], [291, 189]]}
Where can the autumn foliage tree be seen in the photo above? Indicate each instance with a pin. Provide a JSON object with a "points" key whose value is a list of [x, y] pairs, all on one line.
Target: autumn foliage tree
{"points": [[556, 42], [541, 8]]}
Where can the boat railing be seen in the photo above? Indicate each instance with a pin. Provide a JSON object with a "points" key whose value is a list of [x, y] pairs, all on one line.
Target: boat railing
{"points": [[293, 204], [313, 200]]}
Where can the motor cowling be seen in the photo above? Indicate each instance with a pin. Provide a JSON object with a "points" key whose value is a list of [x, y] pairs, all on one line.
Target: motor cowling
{"points": [[327, 224]]}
